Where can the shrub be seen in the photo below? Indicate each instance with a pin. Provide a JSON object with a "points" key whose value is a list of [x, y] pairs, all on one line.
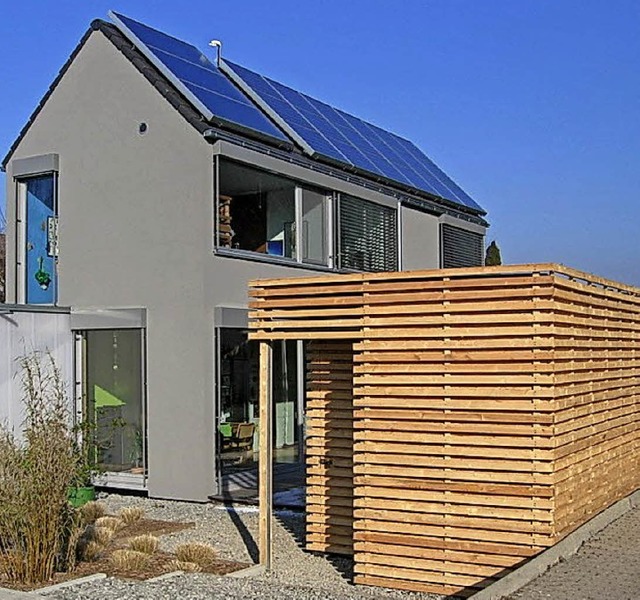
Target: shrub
{"points": [[187, 567], [129, 560], [92, 551], [92, 511], [196, 552], [39, 530], [112, 523], [144, 543], [102, 535], [131, 514]]}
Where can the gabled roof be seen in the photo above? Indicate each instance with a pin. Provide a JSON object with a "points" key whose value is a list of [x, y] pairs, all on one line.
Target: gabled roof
{"points": [[234, 99], [330, 134], [113, 34]]}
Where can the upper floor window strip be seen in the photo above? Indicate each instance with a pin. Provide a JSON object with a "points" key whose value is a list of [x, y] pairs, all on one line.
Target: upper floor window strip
{"points": [[262, 212]]}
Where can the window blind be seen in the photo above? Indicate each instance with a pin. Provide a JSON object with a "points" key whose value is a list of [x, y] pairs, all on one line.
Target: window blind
{"points": [[460, 248], [368, 235]]}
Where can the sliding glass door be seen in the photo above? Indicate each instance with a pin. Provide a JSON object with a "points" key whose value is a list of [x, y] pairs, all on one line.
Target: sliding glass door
{"points": [[238, 420]]}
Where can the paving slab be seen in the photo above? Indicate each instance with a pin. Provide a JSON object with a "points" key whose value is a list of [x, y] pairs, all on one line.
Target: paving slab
{"points": [[606, 567]]}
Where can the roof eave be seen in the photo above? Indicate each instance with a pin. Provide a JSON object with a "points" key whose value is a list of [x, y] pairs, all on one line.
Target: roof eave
{"points": [[191, 115], [401, 187]]}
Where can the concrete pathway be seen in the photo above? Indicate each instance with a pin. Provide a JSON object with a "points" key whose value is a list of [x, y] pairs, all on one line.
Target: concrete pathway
{"points": [[6, 594], [606, 567]]}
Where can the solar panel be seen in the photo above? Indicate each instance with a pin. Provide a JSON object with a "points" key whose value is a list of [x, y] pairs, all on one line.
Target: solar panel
{"points": [[322, 130], [198, 79]]}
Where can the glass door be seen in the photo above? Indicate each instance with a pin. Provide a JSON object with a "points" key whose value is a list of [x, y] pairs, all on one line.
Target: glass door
{"points": [[113, 385], [238, 420]]}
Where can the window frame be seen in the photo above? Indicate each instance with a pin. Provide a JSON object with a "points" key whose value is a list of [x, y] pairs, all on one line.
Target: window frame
{"points": [[332, 225], [299, 187]]}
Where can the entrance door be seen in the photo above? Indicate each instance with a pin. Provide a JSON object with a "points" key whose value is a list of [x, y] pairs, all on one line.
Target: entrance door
{"points": [[37, 225]]}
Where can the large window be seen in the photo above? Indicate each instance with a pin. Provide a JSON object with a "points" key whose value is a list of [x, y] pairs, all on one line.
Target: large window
{"points": [[37, 245], [114, 398], [368, 236], [238, 411], [265, 213]]}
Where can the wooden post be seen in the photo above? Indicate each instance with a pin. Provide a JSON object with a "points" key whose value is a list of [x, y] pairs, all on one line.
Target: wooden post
{"points": [[266, 455]]}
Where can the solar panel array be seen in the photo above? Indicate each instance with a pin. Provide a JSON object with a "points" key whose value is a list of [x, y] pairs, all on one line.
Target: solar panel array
{"points": [[340, 136], [253, 102], [202, 79]]}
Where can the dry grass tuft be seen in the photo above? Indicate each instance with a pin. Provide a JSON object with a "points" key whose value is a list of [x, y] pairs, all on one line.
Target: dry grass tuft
{"points": [[92, 511], [196, 552], [144, 543], [112, 523], [131, 514], [92, 551], [129, 560], [187, 567], [102, 535]]}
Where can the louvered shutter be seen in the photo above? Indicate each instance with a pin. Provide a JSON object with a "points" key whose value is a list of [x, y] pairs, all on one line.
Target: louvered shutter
{"points": [[368, 235], [460, 248]]}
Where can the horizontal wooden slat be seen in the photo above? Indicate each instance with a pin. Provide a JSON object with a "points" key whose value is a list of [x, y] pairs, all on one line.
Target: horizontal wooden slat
{"points": [[470, 419]]}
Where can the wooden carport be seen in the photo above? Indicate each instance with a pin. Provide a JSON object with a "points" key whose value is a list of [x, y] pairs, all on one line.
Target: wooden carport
{"points": [[459, 421]]}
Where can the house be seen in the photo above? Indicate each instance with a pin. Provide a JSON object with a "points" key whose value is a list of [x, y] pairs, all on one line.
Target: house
{"points": [[151, 183]]}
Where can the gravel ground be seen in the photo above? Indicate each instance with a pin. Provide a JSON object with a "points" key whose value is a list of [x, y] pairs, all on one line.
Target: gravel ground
{"points": [[606, 567], [296, 574]]}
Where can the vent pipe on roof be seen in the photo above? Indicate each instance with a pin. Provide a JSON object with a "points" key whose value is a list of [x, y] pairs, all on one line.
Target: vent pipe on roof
{"points": [[217, 44]]}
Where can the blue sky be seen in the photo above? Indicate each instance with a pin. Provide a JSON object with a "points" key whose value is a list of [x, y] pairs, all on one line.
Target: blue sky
{"points": [[532, 106]]}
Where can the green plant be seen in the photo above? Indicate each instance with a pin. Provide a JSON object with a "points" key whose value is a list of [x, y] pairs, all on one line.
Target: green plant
{"points": [[84, 440], [493, 257], [39, 530], [136, 451]]}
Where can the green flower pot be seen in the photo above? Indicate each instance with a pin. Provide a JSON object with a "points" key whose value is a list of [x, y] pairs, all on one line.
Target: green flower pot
{"points": [[79, 496]]}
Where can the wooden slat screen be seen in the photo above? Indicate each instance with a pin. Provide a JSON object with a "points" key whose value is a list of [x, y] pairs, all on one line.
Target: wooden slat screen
{"points": [[453, 402], [329, 429], [597, 399], [495, 410]]}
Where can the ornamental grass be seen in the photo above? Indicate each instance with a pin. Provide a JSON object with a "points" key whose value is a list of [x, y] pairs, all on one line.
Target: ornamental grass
{"points": [[39, 529]]}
